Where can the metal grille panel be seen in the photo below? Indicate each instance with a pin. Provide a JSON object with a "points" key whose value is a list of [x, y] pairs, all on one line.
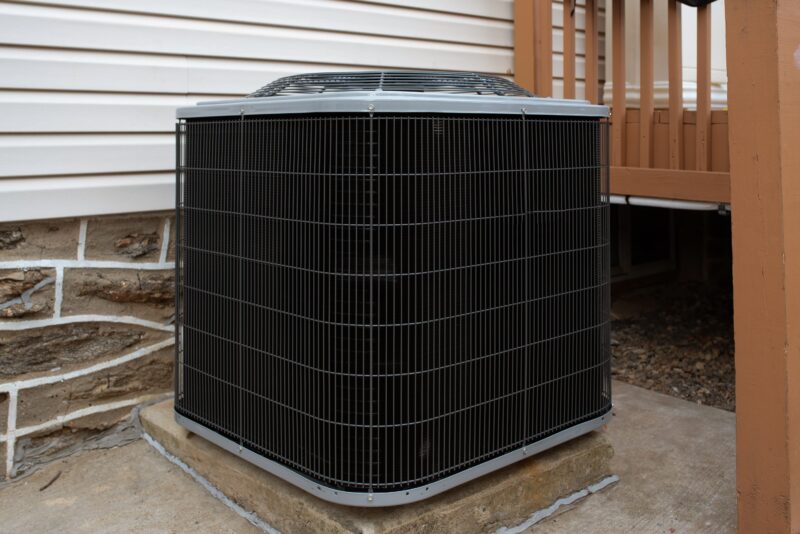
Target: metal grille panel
{"points": [[381, 302], [427, 82]]}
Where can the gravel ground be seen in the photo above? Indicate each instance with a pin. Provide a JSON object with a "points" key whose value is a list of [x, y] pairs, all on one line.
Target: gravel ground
{"points": [[676, 339]]}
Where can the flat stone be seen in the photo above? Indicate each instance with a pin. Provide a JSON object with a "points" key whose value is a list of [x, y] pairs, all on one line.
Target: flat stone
{"points": [[133, 238], [100, 430], [39, 240], [69, 346], [149, 374], [27, 293], [146, 294], [503, 498]]}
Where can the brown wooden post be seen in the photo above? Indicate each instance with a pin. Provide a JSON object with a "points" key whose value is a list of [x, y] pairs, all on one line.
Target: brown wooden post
{"points": [[764, 115], [646, 84], [524, 44], [619, 98], [543, 31], [592, 57], [675, 85], [569, 49], [703, 88]]}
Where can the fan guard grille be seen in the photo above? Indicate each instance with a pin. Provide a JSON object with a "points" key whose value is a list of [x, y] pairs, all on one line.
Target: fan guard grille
{"points": [[427, 82]]}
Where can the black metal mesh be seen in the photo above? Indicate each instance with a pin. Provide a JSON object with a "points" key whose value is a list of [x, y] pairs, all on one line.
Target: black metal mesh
{"points": [[380, 302], [428, 82]]}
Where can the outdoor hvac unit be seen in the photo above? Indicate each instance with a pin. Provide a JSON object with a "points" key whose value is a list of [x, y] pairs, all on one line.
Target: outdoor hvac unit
{"points": [[390, 283]]}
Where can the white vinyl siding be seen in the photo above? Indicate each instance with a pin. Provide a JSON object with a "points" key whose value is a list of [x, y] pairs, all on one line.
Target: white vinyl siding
{"points": [[88, 88]]}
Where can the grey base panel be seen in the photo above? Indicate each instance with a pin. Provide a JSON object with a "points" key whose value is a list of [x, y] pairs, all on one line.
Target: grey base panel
{"points": [[391, 498]]}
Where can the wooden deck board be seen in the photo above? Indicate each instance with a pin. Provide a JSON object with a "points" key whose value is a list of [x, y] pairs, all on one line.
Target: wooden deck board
{"points": [[671, 184]]}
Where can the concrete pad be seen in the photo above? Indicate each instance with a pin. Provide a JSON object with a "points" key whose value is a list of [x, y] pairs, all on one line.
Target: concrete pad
{"points": [[677, 466], [676, 462], [504, 498], [130, 489]]}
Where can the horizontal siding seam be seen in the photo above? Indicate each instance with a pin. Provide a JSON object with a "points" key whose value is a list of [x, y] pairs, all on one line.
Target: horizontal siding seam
{"points": [[176, 16]]}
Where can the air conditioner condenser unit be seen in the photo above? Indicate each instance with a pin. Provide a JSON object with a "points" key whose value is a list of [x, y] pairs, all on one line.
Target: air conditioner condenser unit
{"points": [[390, 283]]}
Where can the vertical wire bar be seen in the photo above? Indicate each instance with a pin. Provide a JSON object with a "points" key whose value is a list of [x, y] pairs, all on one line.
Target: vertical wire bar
{"points": [[283, 325], [436, 289], [397, 307], [528, 273], [703, 126], [329, 388], [619, 99], [646, 84], [480, 247], [569, 49], [675, 84], [239, 174], [431, 181], [350, 190], [335, 251], [606, 319], [371, 354], [178, 368], [483, 164], [544, 47], [456, 141], [317, 299], [592, 67], [419, 314], [275, 131], [437, 283], [310, 375], [557, 302], [384, 344], [488, 201], [498, 207]]}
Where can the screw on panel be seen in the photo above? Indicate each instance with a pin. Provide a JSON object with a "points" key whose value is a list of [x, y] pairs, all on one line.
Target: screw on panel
{"points": [[369, 497], [524, 450]]}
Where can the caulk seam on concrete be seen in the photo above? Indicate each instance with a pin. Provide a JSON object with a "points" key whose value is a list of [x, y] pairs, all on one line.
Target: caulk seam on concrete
{"points": [[544, 513], [250, 517]]}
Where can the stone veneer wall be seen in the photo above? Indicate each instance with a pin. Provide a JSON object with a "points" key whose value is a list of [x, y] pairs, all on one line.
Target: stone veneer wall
{"points": [[86, 332]]}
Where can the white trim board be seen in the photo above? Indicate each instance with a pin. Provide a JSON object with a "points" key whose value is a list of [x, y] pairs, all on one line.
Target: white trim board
{"points": [[29, 199]]}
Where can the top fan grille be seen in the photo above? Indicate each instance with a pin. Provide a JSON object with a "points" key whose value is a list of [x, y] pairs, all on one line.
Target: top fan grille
{"points": [[427, 82]]}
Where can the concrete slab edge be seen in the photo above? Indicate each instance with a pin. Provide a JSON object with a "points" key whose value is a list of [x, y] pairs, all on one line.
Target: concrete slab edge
{"points": [[250, 517], [253, 518], [543, 514]]}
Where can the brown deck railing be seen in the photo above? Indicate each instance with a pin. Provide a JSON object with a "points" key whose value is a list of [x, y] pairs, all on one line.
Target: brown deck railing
{"points": [[687, 164]]}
